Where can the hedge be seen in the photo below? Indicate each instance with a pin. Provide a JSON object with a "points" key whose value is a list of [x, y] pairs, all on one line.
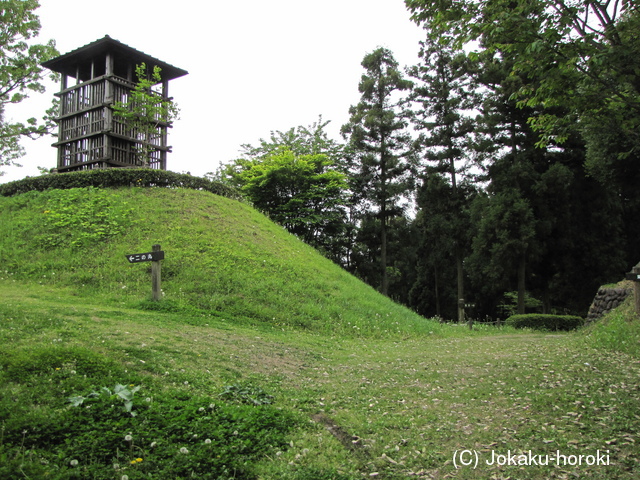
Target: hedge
{"points": [[117, 177], [538, 321]]}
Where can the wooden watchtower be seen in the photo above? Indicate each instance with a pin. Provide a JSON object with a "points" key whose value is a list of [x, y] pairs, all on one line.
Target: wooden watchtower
{"points": [[94, 77]]}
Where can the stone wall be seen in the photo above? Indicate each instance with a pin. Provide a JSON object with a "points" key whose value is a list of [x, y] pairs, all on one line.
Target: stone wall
{"points": [[606, 300]]}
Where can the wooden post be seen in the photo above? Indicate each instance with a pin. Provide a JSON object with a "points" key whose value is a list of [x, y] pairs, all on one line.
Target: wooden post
{"points": [[636, 288], [156, 285], [154, 257]]}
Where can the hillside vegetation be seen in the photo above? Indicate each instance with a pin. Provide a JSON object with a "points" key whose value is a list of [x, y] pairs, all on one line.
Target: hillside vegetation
{"points": [[266, 361], [222, 258]]}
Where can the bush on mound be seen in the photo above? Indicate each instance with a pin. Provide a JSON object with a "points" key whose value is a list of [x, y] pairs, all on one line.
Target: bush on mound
{"points": [[539, 321], [117, 177]]}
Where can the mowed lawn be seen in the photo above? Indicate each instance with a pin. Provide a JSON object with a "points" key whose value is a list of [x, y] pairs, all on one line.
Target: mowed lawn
{"points": [[454, 405]]}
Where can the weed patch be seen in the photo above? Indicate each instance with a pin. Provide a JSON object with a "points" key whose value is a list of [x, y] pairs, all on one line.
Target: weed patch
{"points": [[20, 365], [618, 331], [82, 216], [121, 432], [246, 394]]}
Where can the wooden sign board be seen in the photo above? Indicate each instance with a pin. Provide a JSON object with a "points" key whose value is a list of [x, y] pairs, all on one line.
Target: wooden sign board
{"points": [[154, 257], [145, 257]]}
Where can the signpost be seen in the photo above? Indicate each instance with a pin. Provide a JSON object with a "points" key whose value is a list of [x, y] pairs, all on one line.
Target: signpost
{"points": [[154, 257], [145, 257]]}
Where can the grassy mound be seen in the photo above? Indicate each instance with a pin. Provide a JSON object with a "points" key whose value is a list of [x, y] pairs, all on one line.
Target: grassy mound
{"points": [[222, 258], [266, 361], [618, 330]]}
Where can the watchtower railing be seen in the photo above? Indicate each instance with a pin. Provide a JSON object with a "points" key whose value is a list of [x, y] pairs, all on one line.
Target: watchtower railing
{"points": [[90, 136]]}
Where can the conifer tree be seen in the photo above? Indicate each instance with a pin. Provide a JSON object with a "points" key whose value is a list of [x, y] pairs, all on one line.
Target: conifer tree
{"points": [[443, 94], [379, 145]]}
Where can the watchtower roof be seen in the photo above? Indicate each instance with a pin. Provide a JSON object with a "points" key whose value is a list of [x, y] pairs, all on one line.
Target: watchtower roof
{"points": [[68, 63]]}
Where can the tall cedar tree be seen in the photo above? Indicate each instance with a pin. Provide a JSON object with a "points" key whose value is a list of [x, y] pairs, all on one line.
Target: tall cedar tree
{"points": [[444, 94], [377, 137], [506, 239], [540, 196], [434, 291], [581, 56]]}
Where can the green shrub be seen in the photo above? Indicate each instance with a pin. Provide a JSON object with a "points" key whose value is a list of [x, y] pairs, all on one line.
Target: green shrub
{"points": [[117, 177], [82, 216], [539, 321], [96, 435]]}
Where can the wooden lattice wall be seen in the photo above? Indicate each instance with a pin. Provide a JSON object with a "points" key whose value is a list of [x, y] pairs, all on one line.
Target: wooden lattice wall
{"points": [[89, 135]]}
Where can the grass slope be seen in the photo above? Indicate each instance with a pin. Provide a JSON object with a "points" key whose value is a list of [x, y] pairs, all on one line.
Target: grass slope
{"points": [[223, 258], [252, 392], [342, 407]]}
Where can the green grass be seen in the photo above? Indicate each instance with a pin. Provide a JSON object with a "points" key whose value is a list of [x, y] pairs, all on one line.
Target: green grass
{"points": [[618, 331], [222, 259], [331, 381]]}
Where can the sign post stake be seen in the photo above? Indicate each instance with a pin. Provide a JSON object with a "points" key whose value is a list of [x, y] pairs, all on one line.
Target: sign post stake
{"points": [[154, 257], [156, 285]]}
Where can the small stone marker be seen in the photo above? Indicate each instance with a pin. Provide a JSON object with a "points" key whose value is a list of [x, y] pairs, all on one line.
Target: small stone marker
{"points": [[154, 257]]}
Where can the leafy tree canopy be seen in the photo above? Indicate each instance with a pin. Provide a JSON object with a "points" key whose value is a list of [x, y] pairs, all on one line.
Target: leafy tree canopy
{"points": [[297, 179], [146, 111], [301, 140], [579, 55], [20, 73], [304, 193]]}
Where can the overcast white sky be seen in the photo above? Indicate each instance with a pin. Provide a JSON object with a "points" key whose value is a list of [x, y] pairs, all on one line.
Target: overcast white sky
{"points": [[254, 66]]}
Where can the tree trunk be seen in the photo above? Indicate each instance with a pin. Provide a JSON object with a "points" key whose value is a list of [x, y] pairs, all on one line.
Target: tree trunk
{"points": [[521, 283], [460, 282], [546, 302], [437, 289], [383, 254], [383, 217]]}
